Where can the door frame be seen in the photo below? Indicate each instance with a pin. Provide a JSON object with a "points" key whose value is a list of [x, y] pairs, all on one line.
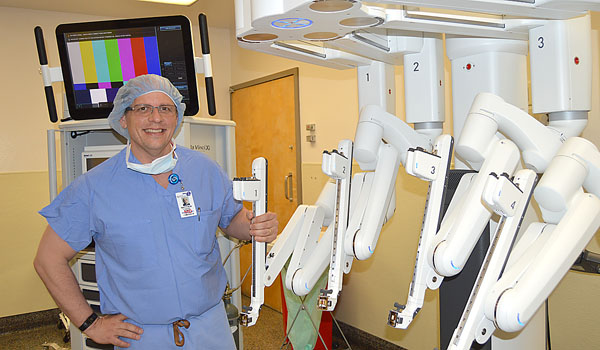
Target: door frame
{"points": [[283, 74]]}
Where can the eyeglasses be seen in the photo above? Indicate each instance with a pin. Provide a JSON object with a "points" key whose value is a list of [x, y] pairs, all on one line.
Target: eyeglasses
{"points": [[145, 110]]}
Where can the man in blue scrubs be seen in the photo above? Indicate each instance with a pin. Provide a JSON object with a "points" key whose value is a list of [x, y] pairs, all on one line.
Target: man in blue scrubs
{"points": [[152, 211]]}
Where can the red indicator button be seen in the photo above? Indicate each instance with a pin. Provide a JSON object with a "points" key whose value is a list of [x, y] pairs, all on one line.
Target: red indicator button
{"points": [[576, 60]]}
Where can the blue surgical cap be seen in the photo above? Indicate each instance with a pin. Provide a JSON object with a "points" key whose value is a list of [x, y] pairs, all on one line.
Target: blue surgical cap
{"points": [[137, 87]]}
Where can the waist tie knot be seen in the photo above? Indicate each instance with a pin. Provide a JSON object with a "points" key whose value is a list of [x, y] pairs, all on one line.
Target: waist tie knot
{"points": [[179, 338]]}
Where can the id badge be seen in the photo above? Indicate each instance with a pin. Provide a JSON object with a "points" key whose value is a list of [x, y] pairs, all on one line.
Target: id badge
{"points": [[185, 202]]}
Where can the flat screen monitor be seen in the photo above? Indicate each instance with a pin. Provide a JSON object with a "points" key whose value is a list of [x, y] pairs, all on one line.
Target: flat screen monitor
{"points": [[97, 58]]}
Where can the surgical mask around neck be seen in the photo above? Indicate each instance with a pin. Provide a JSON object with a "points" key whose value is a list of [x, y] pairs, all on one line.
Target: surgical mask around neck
{"points": [[158, 166]]}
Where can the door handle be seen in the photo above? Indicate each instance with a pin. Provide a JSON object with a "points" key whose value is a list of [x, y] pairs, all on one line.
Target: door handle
{"points": [[288, 187]]}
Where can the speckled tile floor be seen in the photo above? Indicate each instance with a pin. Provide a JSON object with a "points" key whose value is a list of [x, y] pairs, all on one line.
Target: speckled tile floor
{"points": [[267, 333], [32, 339]]}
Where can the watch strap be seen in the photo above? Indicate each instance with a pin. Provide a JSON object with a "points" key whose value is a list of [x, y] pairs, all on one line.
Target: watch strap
{"points": [[88, 322]]}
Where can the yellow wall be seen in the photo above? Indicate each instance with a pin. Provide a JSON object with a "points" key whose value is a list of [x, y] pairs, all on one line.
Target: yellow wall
{"points": [[23, 155], [23, 193]]}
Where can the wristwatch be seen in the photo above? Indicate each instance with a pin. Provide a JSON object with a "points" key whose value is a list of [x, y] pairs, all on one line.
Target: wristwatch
{"points": [[88, 322]]}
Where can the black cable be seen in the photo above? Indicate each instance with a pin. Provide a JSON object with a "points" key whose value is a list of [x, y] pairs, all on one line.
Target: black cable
{"points": [[75, 134]]}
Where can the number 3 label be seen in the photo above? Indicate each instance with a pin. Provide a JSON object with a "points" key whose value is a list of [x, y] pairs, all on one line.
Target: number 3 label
{"points": [[541, 42]]}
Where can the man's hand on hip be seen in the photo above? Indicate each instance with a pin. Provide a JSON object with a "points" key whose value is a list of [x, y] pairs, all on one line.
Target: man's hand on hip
{"points": [[108, 329]]}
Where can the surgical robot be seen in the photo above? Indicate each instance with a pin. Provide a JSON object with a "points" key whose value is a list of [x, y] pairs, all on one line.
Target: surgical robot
{"points": [[493, 186], [345, 34], [353, 215]]}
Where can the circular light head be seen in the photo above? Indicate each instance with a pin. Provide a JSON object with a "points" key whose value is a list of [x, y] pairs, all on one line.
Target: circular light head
{"points": [[360, 22], [331, 6], [321, 36], [259, 37]]}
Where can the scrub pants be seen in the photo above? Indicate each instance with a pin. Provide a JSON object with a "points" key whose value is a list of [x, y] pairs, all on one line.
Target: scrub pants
{"points": [[209, 331]]}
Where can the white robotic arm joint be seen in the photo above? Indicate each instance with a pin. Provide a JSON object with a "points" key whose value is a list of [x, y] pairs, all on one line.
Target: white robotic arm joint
{"points": [[490, 114], [422, 164], [375, 125], [501, 194]]}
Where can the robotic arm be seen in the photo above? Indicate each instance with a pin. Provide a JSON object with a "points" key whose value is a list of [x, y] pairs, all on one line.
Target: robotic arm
{"points": [[467, 216], [338, 165], [254, 189], [528, 281], [300, 239], [382, 143], [301, 236], [489, 115], [510, 302], [372, 203], [509, 198], [567, 108], [479, 144], [432, 167]]}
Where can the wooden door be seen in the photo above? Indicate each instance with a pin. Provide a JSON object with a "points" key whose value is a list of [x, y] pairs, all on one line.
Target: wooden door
{"points": [[267, 120]]}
